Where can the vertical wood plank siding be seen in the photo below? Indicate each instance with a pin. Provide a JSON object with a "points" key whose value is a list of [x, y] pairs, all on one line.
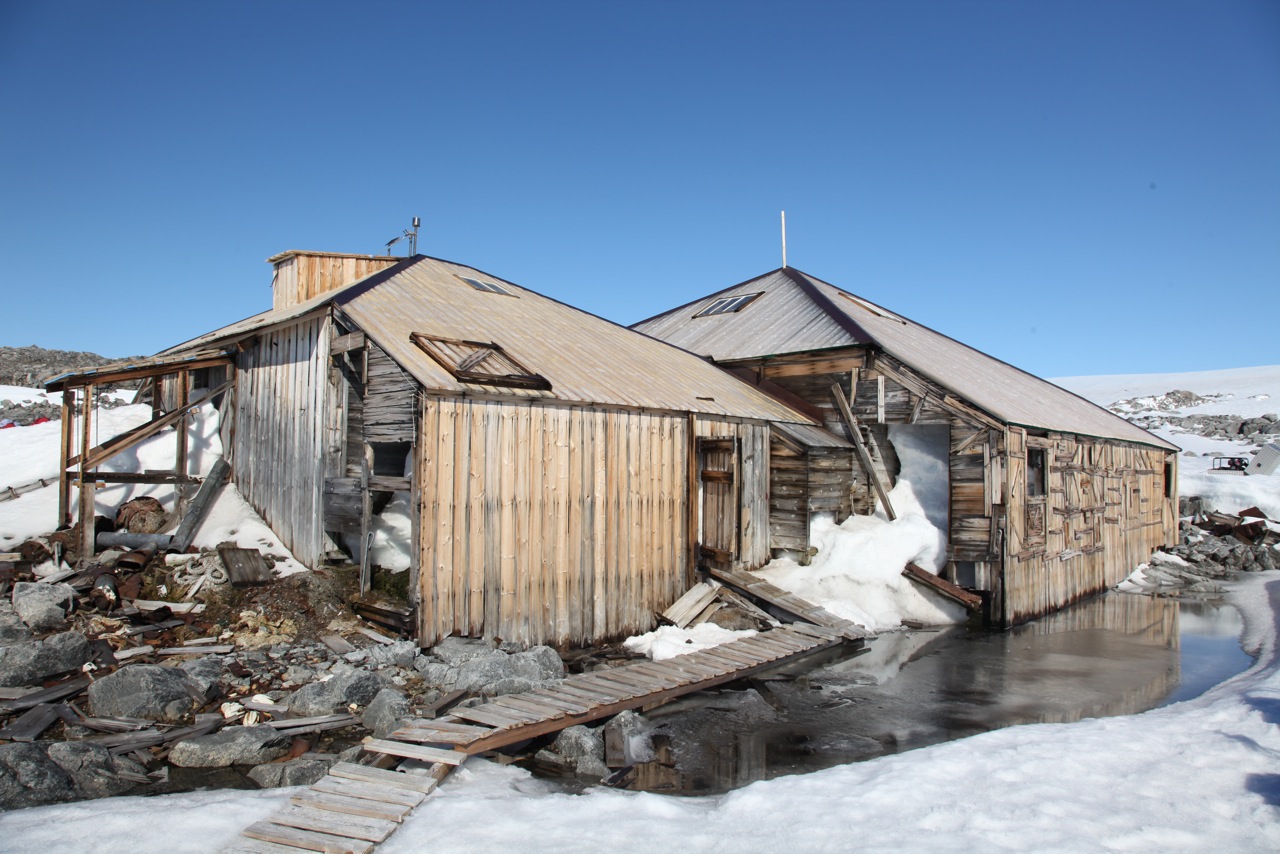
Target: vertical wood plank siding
{"points": [[1106, 512], [305, 275], [545, 524], [284, 419]]}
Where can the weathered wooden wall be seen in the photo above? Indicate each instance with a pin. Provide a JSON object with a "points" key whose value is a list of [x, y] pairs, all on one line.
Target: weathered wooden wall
{"points": [[802, 482], [561, 524], [285, 411], [1106, 510]]}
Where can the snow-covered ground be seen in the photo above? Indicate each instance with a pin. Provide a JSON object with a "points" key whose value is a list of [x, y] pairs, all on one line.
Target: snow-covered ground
{"points": [[1200, 775], [28, 454]]}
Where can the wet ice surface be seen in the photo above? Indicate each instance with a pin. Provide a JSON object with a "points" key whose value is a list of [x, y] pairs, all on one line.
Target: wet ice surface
{"points": [[1113, 655]]}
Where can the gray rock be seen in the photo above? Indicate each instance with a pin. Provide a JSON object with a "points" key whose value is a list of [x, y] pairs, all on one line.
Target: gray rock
{"points": [[29, 778], [582, 748], [335, 695], [400, 653], [299, 772], [235, 745], [437, 674], [455, 650], [94, 770], [43, 607], [386, 712], [510, 685], [145, 691], [540, 663], [31, 662], [12, 629], [206, 672]]}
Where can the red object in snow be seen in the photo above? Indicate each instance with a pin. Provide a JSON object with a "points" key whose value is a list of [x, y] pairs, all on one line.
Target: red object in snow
{"points": [[43, 419]]}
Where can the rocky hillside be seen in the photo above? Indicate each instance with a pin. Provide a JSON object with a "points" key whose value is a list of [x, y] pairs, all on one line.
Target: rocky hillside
{"points": [[28, 366]]}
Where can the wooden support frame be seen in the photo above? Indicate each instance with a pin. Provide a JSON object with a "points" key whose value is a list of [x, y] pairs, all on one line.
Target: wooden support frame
{"points": [[864, 457]]}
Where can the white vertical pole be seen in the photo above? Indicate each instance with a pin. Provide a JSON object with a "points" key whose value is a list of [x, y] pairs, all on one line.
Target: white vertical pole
{"points": [[784, 239]]}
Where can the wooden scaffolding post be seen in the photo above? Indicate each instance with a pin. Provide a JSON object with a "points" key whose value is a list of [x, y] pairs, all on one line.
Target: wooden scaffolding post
{"points": [[68, 429], [856, 434], [180, 459], [86, 477]]}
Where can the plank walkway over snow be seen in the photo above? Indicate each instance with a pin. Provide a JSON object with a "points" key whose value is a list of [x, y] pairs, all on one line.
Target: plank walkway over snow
{"points": [[355, 806], [789, 602]]}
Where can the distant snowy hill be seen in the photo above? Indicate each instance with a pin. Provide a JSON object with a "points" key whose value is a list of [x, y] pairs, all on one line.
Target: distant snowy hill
{"points": [[1207, 414]]}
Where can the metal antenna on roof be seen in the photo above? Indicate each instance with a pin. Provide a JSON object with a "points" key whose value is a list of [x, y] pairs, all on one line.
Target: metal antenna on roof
{"points": [[412, 237], [784, 240]]}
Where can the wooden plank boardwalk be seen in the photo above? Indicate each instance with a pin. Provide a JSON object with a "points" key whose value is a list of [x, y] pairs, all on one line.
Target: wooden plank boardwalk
{"points": [[355, 807], [789, 602]]}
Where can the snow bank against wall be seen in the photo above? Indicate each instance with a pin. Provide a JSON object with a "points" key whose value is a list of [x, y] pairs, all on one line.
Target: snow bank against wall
{"points": [[857, 573]]}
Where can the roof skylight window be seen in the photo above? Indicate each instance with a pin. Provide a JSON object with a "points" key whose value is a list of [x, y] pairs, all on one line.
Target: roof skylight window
{"points": [[489, 287], [479, 362], [728, 305]]}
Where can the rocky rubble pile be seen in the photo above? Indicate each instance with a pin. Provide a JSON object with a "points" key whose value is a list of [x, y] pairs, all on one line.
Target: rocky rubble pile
{"points": [[1203, 558], [216, 688], [1261, 430]]}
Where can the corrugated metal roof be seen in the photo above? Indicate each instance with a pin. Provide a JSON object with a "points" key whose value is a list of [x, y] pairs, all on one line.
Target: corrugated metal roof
{"points": [[586, 359], [786, 323]]}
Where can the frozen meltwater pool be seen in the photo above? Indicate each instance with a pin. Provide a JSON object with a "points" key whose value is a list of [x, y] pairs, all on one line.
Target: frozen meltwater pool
{"points": [[1115, 654]]}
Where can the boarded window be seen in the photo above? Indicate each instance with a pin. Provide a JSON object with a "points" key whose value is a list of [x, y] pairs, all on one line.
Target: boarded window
{"points": [[487, 287], [728, 305], [479, 362], [1035, 473]]}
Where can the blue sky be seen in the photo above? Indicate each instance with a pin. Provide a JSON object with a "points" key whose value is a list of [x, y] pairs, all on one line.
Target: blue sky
{"points": [[1076, 187]]}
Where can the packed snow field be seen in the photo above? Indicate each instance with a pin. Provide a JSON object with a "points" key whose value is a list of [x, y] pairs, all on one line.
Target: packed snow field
{"points": [[1199, 775]]}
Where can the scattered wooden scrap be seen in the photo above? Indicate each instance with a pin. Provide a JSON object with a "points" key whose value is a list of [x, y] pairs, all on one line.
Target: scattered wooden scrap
{"points": [[52, 694], [29, 726], [338, 644], [923, 577], [690, 605], [318, 723], [388, 615], [755, 586]]}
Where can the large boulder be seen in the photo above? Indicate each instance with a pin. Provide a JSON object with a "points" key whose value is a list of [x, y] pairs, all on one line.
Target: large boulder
{"points": [[455, 650], [147, 691], [94, 770], [43, 607], [29, 778], [386, 712], [32, 662], [236, 745], [298, 772], [336, 694]]}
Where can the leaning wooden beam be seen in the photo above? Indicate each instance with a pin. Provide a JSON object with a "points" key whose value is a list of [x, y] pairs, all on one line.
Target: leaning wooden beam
{"points": [[856, 434], [755, 586], [923, 577], [99, 455], [200, 506]]}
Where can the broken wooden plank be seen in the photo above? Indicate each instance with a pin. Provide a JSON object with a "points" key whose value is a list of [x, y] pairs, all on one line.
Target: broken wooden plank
{"points": [[220, 649], [245, 845], [52, 694], [788, 602], [246, 567], [971, 601], [337, 644], [310, 840], [689, 605], [398, 779], [414, 751], [29, 726]]}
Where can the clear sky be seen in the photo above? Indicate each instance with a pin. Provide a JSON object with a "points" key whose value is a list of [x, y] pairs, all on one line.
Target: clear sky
{"points": [[1075, 187]]}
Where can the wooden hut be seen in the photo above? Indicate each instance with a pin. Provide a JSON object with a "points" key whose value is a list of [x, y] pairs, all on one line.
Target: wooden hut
{"points": [[565, 473], [1051, 497]]}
